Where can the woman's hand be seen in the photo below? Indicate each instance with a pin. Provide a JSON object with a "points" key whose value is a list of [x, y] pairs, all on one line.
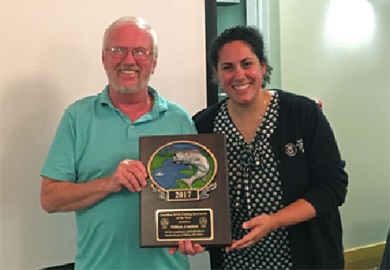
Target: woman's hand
{"points": [[259, 227]]}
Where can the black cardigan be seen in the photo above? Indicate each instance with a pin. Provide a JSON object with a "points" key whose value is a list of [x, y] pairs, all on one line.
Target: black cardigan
{"points": [[314, 172]]}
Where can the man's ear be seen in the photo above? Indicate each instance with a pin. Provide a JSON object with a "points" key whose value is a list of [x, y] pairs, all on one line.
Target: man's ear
{"points": [[103, 57], [154, 64]]}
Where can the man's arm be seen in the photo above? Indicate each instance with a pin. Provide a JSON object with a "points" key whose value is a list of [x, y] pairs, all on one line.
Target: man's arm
{"points": [[62, 196]]}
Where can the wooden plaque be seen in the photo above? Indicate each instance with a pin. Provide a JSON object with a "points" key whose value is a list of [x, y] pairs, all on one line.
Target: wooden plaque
{"points": [[187, 195]]}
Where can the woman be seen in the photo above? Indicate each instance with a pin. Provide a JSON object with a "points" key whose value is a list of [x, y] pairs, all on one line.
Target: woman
{"points": [[286, 176]]}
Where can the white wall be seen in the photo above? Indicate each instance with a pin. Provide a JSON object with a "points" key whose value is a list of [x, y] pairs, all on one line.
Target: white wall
{"points": [[351, 74], [50, 56]]}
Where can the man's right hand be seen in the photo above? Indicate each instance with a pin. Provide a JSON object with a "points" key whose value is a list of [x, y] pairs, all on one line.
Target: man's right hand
{"points": [[130, 174]]}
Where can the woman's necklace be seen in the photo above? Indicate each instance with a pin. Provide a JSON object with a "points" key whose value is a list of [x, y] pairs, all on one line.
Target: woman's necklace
{"points": [[248, 120]]}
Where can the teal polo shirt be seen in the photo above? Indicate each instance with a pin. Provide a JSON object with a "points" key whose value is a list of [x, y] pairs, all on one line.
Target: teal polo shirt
{"points": [[91, 139]]}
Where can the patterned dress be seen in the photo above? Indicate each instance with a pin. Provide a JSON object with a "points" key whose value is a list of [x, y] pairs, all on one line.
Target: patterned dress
{"points": [[255, 188]]}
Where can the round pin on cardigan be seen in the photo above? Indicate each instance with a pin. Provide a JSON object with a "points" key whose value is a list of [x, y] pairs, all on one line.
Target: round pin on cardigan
{"points": [[291, 149]]}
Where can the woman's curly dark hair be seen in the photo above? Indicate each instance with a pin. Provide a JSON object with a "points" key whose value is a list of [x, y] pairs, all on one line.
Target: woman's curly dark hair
{"points": [[248, 34]]}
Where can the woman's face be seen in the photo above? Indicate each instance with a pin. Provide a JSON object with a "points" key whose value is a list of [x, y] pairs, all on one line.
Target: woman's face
{"points": [[239, 72]]}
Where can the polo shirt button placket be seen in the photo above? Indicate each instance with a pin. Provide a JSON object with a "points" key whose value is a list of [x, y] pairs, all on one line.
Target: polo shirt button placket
{"points": [[130, 131]]}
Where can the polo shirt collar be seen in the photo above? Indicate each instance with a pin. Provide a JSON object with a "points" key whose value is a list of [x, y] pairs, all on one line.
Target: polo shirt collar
{"points": [[105, 98], [159, 105]]}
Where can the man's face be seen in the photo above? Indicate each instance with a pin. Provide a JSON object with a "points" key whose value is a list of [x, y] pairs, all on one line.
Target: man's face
{"points": [[128, 74]]}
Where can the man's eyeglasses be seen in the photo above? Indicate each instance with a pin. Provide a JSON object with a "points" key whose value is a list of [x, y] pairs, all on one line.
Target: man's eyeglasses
{"points": [[122, 52]]}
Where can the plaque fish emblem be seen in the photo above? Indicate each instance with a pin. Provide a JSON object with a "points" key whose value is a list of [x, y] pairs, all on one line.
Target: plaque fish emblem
{"points": [[194, 158]]}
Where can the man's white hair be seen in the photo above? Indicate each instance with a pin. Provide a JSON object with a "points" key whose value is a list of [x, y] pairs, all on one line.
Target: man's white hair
{"points": [[141, 23]]}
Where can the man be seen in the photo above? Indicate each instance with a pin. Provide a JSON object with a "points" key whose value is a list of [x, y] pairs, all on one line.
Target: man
{"points": [[92, 167]]}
